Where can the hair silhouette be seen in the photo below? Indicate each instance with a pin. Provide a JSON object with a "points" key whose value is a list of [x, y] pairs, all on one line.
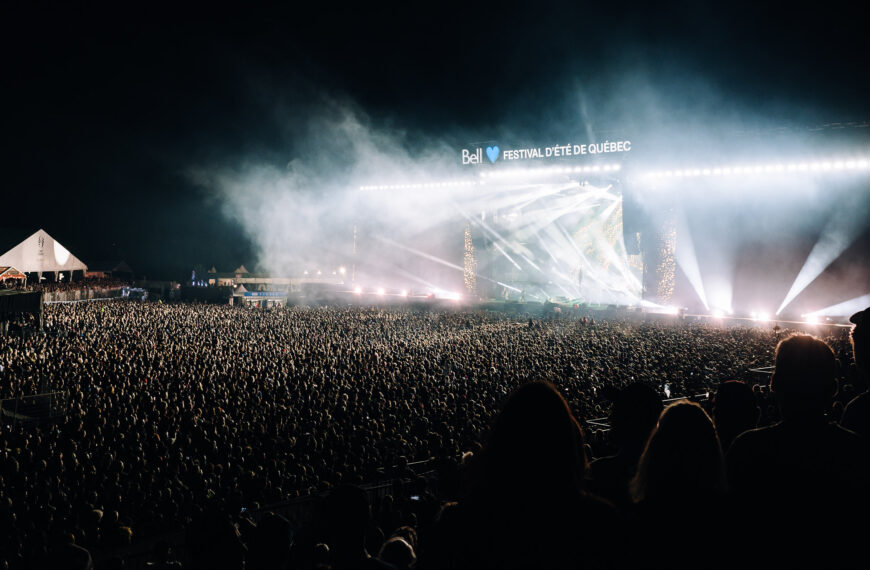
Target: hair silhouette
{"points": [[683, 458]]}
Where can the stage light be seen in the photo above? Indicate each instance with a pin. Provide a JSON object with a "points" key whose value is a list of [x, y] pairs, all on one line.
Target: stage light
{"points": [[718, 314], [342, 270], [771, 168], [403, 293], [381, 291], [357, 290], [812, 319], [763, 317]]}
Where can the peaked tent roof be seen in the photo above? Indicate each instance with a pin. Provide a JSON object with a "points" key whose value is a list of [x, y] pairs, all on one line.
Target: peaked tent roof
{"points": [[40, 252], [10, 273]]}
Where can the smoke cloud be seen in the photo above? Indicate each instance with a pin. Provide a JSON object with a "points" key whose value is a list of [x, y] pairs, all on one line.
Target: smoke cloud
{"points": [[309, 213]]}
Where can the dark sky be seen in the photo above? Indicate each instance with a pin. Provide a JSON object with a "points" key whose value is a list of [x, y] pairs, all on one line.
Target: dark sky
{"points": [[106, 110]]}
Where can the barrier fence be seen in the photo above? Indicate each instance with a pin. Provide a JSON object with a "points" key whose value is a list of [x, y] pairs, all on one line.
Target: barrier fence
{"points": [[83, 295], [34, 409]]}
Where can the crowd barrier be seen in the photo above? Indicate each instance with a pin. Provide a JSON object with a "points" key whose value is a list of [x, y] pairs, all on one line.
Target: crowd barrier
{"points": [[83, 295], [34, 409]]}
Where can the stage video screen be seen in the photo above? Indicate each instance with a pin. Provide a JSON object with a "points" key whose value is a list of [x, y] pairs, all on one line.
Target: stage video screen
{"points": [[535, 242]]}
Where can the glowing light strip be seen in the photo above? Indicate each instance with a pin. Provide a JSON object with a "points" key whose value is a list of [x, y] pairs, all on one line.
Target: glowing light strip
{"points": [[778, 168], [550, 170], [449, 184], [499, 174]]}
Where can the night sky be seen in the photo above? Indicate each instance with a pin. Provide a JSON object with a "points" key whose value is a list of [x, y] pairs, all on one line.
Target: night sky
{"points": [[105, 111]]}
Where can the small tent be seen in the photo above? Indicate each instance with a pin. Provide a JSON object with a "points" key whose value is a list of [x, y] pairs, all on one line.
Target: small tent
{"points": [[42, 254], [7, 273]]}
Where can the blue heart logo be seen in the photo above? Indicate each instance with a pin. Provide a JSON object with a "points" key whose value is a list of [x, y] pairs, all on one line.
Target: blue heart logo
{"points": [[492, 153]]}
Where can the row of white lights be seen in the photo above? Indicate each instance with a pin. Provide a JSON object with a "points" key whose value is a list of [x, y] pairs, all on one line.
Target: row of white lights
{"points": [[764, 317], [341, 270], [550, 170], [380, 291], [757, 316], [403, 293], [450, 184], [825, 166]]}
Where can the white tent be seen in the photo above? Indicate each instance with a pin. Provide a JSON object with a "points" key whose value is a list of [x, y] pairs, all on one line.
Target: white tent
{"points": [[40, 253]]}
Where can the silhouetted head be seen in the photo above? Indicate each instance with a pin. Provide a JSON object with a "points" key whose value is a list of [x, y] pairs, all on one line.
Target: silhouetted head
{"points": [[734, 411], [804, 377], [861, 342], [398, 552], [634, 414], [536, 441], [682, 459]]}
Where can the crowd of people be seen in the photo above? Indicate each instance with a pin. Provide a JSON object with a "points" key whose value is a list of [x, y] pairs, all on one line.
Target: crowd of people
{"points": [[192, 418]]}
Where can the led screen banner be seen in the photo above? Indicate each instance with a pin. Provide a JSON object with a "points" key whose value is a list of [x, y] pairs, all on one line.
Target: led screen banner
{"points": [[565, 241]]}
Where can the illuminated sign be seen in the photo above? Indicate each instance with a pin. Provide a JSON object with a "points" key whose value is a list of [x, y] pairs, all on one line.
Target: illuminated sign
{"points": [[494, 153]]}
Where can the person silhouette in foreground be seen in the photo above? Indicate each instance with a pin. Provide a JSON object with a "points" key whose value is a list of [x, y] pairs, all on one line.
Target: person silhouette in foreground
{"points": [[805, 476], [527, 507], [679, 488], [856, 417], [633, 416], [734, 411], [347, 514]]}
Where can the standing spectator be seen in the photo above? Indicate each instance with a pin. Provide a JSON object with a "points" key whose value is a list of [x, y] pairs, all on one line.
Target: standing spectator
{"points": [[804, 473], [679, 488], [528, 508], [856, 417], [734, 411], [633, 416]]}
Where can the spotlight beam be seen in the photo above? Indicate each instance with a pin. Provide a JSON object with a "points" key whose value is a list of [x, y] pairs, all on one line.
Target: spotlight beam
{"points": [[840, 232], [844, 309]]}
